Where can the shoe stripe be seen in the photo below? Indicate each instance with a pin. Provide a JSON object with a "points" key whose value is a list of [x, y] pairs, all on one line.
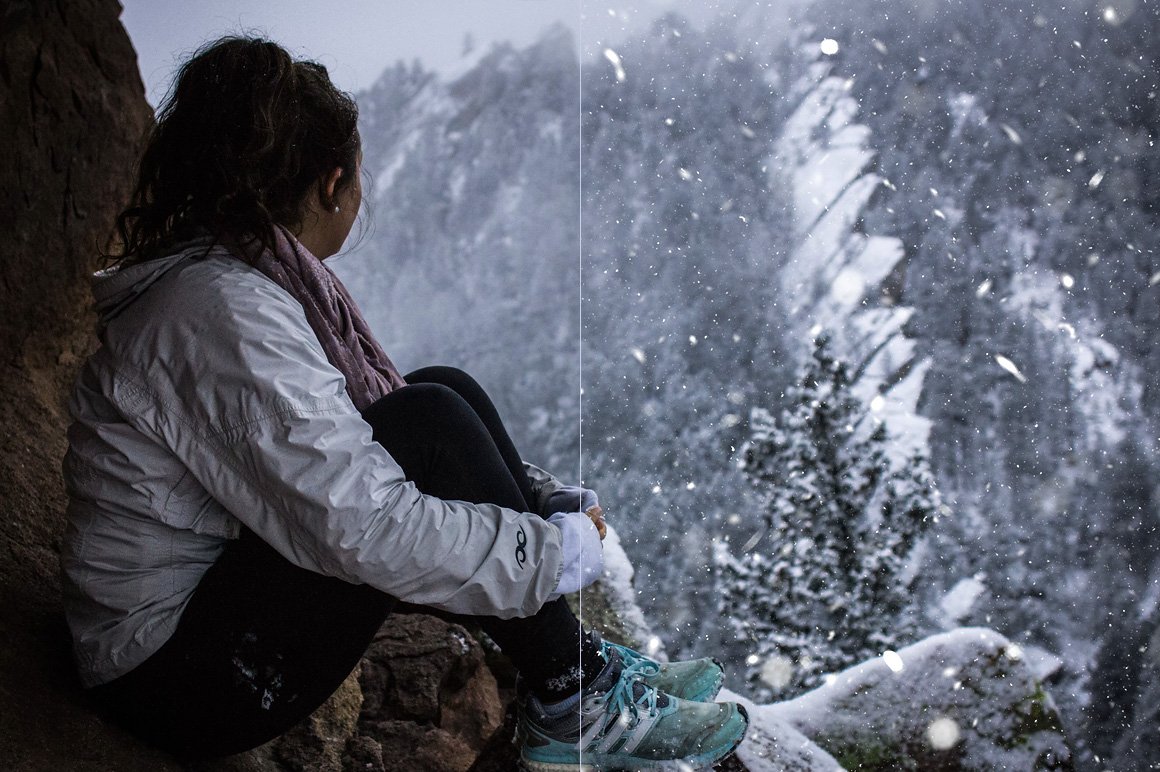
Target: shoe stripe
{"points": [[640, 731], [618, 728], [590, 734]]}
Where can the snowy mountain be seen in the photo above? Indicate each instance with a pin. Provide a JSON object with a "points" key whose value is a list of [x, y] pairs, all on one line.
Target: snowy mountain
{"points": [[964, 194]]}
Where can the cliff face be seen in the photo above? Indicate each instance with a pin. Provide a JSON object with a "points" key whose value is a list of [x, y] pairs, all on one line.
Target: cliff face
{"points": [[72, 114]]}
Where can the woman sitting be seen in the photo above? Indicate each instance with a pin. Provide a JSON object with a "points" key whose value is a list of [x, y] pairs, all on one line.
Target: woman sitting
{"points": [[253, 484]]}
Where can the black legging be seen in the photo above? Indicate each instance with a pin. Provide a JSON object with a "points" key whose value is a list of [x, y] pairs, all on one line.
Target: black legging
{"points": [[262, 643]]}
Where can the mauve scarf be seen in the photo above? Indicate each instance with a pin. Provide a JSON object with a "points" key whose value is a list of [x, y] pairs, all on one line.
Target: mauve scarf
{"points": [[333, 315]]}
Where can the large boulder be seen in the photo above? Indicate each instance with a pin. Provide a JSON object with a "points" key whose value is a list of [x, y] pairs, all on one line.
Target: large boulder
{"points": [[72, 116], [963, 700]]}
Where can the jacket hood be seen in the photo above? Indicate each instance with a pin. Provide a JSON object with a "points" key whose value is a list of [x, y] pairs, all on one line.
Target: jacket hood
{"points": [[114, 289]]}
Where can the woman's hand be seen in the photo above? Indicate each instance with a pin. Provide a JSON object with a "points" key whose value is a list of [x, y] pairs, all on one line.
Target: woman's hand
{"points": [[596, 515], [583, 552]]}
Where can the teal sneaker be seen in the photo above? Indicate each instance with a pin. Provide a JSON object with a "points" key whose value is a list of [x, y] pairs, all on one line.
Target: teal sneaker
{"points": [[697, 680], [619, 722]]}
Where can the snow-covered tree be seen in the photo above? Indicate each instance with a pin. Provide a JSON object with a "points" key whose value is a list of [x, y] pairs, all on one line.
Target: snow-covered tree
{"points": [[824, 581]]}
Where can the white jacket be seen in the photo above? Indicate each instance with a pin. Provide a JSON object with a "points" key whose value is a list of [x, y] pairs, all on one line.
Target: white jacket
{"points": [[211, 404]]}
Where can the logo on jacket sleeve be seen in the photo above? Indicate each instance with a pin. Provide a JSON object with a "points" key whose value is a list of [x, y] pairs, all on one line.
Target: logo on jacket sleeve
{"points": [[521, 542]]}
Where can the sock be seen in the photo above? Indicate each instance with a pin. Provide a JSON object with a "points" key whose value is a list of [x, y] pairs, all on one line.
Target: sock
{"points": [[568, 671]]}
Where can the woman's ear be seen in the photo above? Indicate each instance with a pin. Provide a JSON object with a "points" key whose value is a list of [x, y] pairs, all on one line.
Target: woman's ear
{"points": [[328, 186]]}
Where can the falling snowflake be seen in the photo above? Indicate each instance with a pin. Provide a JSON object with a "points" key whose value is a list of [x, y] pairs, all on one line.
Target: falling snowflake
{"points": [[942, 734], [777, 672], [751, 542], [829, 46], [1010, 367], [984, 288], [614, 57], [637, 354], [893, 661], [1011, 134], [1096, 179]]}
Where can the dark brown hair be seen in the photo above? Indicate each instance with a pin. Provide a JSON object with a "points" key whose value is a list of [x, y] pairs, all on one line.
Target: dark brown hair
{"points": [[242, 136]]}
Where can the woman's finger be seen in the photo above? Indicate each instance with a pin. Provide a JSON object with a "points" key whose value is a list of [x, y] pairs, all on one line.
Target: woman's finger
{"points": [[596, 514]]}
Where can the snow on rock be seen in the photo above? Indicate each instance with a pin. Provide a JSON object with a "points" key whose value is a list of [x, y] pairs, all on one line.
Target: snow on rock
{"points": [[834, 277], [1042, 662], [827, 245], [617, 581], [963, 700], [833, 169], [772, 744], [610, 606]]}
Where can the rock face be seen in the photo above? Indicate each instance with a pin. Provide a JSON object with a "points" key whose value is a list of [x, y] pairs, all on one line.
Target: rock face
{"points": [[429, 702], [422, 699], [72, 114]]}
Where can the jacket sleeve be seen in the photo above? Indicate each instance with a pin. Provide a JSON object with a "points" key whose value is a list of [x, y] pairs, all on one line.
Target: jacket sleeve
{"points": [[252, 407], [543, 486]]}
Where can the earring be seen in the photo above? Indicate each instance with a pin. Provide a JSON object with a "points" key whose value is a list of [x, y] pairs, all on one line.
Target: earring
{"points": [[336, 210]]}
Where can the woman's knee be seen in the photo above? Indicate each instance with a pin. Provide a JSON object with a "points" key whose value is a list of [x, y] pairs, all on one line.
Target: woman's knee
{"points": [[421, 409], [452, 377]]}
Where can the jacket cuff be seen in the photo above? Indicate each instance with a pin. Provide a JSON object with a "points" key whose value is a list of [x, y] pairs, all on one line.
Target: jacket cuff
{"points": [[543, 486]]}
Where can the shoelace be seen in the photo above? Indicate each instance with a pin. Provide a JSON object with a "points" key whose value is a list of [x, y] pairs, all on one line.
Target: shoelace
{"points": [[630, 658], [622, 698]]}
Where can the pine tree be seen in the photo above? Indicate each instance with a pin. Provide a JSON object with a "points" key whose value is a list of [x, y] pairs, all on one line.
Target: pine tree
{"points": [[827, 584]]}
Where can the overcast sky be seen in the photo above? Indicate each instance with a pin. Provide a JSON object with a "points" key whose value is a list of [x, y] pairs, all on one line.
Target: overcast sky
{"points": [[358, 39]]}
